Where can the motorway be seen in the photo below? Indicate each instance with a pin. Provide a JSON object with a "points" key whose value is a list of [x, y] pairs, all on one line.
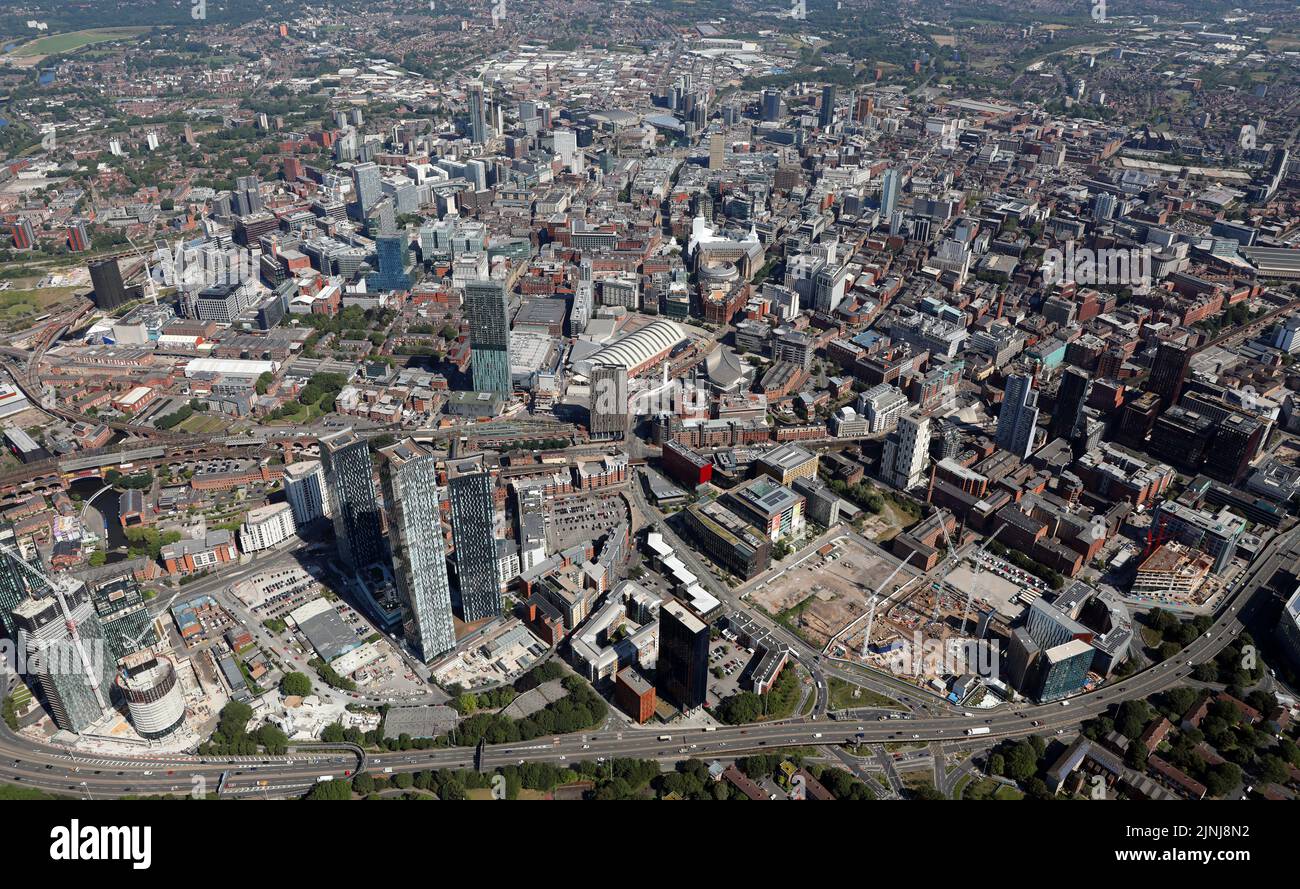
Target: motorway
{"points": [[32, 764]]}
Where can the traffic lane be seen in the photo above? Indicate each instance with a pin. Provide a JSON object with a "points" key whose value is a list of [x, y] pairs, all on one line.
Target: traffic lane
{"points": [[718, 742]]}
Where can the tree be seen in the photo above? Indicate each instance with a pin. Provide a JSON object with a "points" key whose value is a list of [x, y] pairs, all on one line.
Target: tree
{"points": [[234, 717], [1022, 762], [296, 684], [331, 790], [1222, 778], [1132, 718], [740, 708], [273, 739]]}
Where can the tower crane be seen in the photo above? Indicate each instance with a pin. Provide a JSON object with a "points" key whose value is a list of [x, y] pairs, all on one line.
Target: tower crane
{"points": [[970, 597], [61, 587], [875, 596]]}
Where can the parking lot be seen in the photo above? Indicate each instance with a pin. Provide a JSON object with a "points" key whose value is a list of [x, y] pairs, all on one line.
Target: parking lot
{"points": [[998, 583], [581, 519], [729, 660]]}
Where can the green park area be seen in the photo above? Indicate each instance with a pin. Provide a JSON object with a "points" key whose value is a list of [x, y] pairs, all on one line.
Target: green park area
{"points": [[60, 43], [847, 696]]}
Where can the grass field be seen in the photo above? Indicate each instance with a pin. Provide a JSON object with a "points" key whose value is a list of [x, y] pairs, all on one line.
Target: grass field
{"points": [[16, 305], [202, 423], [59, 43], [842, 697], [986, 789]]}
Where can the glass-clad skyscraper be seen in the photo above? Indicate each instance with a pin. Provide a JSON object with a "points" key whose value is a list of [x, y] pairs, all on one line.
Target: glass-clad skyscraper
{"points": [[489, 336], [682, 671], [410, 476], [478, 124], [391, 252], [357, 528], [473, 514], [16, 584], [68, 656], [1018, 416]]}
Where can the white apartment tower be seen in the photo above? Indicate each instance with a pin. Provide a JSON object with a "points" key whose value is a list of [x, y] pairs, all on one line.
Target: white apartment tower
{"points": [[906, 452]]}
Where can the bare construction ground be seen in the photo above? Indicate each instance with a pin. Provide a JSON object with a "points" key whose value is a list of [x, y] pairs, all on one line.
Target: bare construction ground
{"points": [[826, 591]]}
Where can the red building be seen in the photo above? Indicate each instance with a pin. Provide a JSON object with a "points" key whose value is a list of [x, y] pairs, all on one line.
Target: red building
{"points": [[686, 466], [633, 695]]}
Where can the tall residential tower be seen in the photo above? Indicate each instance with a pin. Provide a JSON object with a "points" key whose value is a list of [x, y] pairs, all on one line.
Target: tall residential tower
{"points": [[410, 477], [473, 521], [357, 525], [486, 307]]}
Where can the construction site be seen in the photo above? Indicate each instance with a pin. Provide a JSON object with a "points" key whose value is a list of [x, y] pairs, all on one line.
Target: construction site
{"points": [[922, 630], [829, 589]]}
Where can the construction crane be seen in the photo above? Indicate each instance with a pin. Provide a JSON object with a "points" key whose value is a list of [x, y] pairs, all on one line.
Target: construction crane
{"points": [[871, 614], [150, 285], [952, 555], [62, 587], [970, 597]]}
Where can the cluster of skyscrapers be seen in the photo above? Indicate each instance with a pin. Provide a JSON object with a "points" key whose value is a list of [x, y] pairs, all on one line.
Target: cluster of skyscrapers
{"points": [[415, 547]]}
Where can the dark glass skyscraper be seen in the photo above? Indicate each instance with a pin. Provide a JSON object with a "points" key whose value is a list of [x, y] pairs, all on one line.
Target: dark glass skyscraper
{"points": [[489, 336], [110, 291], [1068, 418], [391, 250], [683, 667], [1169, 371], [410, 476], [478, 124], [473, 513], [771, 109], [346, 458], [826, 114]]}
